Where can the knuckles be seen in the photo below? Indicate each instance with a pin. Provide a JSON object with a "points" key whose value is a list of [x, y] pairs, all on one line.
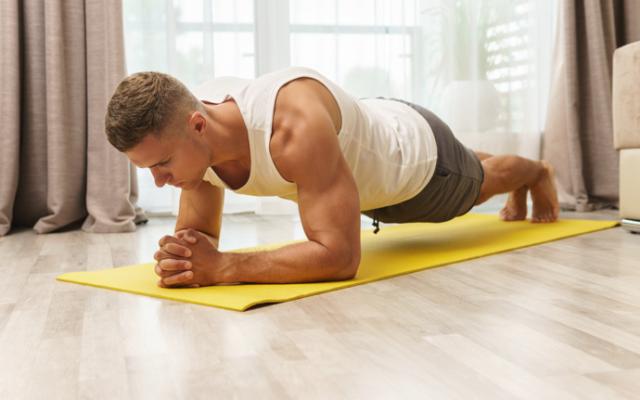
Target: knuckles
{"points": [[164, 240]]}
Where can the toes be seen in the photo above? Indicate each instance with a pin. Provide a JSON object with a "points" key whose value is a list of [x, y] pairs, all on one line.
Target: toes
{"points": [[544, 218], [506, 215]]}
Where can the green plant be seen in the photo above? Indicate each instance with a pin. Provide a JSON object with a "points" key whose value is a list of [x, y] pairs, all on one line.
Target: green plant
{"points": [[469, 40], [463, 34]]}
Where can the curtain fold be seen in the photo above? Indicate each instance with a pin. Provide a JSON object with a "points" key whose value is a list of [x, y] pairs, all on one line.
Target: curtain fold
{"points": [[111, 174], [578, 138], [10, 101], [61, 61]]}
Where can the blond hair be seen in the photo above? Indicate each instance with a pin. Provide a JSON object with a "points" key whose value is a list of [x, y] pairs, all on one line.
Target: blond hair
{"points": [[146, 103]]}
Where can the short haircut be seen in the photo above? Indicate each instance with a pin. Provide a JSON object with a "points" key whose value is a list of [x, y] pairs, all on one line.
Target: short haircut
{"points": [[145, 103]]}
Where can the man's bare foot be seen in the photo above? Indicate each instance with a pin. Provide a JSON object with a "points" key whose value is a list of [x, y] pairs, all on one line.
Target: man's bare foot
{"points": [[516, 207], [544, 196]]}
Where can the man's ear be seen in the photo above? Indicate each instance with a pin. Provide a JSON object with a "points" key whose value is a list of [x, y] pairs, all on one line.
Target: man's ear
{"points": [[197, 122]]}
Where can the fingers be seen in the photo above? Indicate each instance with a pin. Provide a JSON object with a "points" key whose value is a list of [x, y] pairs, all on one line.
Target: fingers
{"points": [[177, 250], [175, 277], [159, 255], [178, 242], [166, 274], [162, 273], [182, 279], [171, 247], [192, 286], [165, 239], [172, 265], [171, 239], [187, 235], [173, 270], [162, 254]]}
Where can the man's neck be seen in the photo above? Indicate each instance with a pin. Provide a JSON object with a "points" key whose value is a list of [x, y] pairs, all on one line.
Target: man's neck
{"points": [[227, 134]]}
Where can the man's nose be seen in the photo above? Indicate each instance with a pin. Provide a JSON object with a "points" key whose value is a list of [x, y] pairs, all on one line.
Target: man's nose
{"points": [[160, 178]]}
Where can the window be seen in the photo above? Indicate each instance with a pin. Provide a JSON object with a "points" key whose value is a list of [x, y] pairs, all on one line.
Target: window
{"points": [[367, 46], [481, 65], [194, 40]]}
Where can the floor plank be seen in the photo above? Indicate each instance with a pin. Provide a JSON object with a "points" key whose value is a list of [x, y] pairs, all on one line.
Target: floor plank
{"points": [[559, 320]]}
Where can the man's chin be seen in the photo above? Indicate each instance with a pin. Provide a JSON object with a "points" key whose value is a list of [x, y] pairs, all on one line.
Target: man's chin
{"points": [[189, 185]]}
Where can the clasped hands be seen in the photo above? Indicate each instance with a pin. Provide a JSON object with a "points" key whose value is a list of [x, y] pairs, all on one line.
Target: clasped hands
{"points": [[187, 260]]}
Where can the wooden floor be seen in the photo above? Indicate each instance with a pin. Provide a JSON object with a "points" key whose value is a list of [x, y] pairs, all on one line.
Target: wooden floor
{"points": [[555, 321]]}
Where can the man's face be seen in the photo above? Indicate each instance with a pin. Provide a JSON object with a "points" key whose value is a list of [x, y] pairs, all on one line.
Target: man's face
{"points": [[174, 159]]}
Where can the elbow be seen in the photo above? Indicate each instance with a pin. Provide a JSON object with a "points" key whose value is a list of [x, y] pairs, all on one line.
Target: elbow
{"points": [[340, 260], [348, 265]]}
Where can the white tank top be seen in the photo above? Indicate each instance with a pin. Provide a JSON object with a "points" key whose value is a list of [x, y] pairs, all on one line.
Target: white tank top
{"points": [[388, 146]]}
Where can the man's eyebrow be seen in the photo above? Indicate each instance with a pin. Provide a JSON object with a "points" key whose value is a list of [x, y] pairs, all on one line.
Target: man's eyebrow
{"points": [[158, 163]]}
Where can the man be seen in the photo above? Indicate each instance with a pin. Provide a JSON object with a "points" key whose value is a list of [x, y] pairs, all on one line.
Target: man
{"points": [[295, 134]]}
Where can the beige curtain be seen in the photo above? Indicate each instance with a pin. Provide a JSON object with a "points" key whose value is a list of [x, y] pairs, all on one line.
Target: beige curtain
{"points": [[578, 138], [60, 61]]}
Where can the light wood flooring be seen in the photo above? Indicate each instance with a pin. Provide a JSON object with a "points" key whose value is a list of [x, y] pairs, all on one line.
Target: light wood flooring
{"points": [[555, 321]]}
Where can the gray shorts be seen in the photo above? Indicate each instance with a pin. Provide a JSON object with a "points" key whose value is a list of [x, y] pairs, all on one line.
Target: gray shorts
{"points": [[453, 188]]}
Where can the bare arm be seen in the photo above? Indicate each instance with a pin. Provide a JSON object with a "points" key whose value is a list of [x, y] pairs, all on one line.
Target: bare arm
{"points": [[329, 209], [305, 151], [201, 209]]}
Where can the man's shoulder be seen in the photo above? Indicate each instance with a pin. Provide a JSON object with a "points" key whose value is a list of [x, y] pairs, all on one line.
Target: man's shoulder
{"points": [[299, 102], [302, 123], [216, 90], [303, 102]]}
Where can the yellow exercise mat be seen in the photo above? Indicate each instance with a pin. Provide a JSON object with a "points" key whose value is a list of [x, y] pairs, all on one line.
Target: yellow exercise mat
{"points": [[395, 250]]}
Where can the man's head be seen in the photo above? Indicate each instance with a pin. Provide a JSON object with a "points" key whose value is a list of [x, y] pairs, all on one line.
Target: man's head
{"points": [[160, 125]]}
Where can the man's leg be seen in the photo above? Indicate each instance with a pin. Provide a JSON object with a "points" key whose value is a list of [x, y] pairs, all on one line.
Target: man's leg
{"points": [[518, 175]]}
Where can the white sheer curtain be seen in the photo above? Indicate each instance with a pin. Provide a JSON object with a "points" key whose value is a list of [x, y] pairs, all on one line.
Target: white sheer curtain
{"points": [[485, 69], [482, 65]]}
